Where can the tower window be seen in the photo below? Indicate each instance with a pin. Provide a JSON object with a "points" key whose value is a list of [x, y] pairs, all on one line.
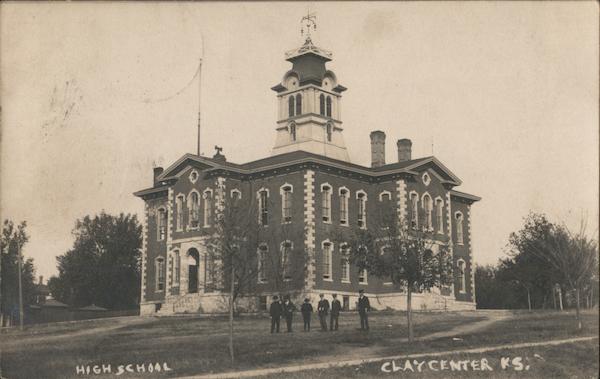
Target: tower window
{"points": [[322, 105], [459, 228], [291, 106], [207, 207], [328, 106], [329, 132], [194, 204], [428, 206], [162, 224], [179, 208], [298, 104], [293, 132]]}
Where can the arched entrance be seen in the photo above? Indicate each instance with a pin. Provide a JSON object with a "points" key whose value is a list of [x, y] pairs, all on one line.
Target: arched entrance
{"points": [[193, 261]]}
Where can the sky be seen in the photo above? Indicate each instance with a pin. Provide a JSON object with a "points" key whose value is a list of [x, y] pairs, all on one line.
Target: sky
{"points": [[95, 95]]}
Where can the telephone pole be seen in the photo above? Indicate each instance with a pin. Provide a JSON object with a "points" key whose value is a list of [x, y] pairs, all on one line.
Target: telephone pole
{"points": [[20, 258]]}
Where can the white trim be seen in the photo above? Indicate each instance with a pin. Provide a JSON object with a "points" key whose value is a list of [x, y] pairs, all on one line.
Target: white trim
{"points": [[283, 265], [282, 194], [460, 222], [364, 198], [426, 181], [383, 193], [344, 199], [260, 208], [463, 282], [194, 171], [329, 193], [362, 192]]}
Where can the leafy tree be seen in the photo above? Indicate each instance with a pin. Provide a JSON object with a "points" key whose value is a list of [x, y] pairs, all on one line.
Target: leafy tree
{"points": [[392, 250], [11, 239], [103, 266]]}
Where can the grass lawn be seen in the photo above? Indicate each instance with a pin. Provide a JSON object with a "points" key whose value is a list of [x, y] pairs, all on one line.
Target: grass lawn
{"points": [[193, 345]]}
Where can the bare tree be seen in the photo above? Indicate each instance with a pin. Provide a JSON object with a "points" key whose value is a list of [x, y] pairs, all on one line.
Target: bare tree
{"points": [[393, 250]]}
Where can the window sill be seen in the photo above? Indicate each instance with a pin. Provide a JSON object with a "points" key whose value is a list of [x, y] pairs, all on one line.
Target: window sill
{"points": [[328, 279], [388, 283], [262, 282], [344, 224], [346, 281], [326, 222], [363, 283]]}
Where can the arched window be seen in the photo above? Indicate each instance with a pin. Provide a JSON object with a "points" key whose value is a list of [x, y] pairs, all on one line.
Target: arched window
{"points": [[327, 257], [461, 276], [286, 202], [291, 106], [329, 132], [328, 106], [160, 273], [263, 210], [179, 208], [293, 132], [344, 194], [428, 207], [414, 201], [439, 210], [326, 202], [161, 223], [263, 250], [345, 262], [385, 196], [298, 104], [322, 105], [207, 207], [459, 228], [286, 257], [194, 208]]}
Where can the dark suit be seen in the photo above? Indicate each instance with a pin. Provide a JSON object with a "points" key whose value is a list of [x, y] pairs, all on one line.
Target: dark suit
{"points": [[275, 312], [306, 310], [336, 307], [288, 313], [323, 310], [363, 310]]}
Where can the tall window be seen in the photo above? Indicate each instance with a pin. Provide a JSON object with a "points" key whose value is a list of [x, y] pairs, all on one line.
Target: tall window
{"points": [[176, 268], [263, 250], [361, 199], [194, 207], [344, 206], [326, 203], [286, 256], [459, 228], [322, 105], [161, 224], [293, 131], [160, 274], [439, 210], [362, 276], [298, 104], [286, 203], [235, 195], [291, 106], [209, 270], [329, 131], [207, 207], [428, 207], [179, 208], [345, 263], [327, 257], [328, 106], [414, 201], [263, 210], [461, 276]]}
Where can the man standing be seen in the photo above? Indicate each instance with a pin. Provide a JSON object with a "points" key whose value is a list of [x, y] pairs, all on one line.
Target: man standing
{"points": [[336, 307], [306, 310], [363, 309], [323, 310], [275, 312], [288, 313]]}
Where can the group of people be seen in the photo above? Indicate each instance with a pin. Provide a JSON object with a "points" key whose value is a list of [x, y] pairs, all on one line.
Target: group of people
{"points": [[286, 310]]}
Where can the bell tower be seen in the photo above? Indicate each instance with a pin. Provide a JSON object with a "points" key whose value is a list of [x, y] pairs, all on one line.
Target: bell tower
{"points": [[309, 103]]}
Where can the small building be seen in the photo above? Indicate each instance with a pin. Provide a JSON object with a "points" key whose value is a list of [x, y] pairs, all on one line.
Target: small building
{"points": [[310, 185]]}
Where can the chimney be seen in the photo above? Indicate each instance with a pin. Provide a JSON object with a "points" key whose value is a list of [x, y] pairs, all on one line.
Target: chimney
{"points": [[377, 148], [157, 172], [404, 149]]}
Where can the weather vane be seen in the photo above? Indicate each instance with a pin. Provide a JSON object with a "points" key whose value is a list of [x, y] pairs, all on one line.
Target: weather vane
{"points": [[311, 21]]}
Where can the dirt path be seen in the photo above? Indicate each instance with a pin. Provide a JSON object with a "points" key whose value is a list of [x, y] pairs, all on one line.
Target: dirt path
{"points": [[14, 340], [357, 362]]}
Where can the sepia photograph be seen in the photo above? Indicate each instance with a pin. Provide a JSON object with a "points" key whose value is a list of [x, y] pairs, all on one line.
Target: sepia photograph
{"points": [[299, 189]]}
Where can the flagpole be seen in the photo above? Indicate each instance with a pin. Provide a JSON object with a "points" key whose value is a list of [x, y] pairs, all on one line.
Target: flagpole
{"points": [[199, 101]]}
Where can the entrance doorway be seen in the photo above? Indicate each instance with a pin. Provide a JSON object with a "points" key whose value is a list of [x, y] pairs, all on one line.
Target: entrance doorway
{"points": [[193, 260]]}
